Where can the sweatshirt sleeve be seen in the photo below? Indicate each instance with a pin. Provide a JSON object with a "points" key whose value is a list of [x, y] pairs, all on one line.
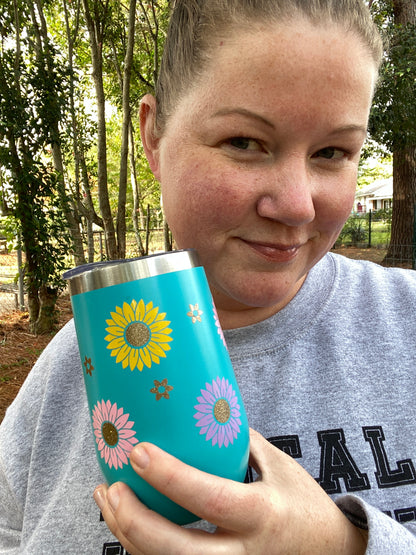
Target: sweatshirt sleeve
{"points": [[15, 449], [17, 437], [10, 516], [16, 442], [385, 535]]}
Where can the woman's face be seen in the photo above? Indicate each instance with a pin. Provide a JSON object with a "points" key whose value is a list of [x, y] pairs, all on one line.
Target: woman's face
{"points": [[258, 164]]}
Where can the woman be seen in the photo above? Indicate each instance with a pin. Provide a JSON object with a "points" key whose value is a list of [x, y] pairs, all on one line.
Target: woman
{"points": [[255, 135]]}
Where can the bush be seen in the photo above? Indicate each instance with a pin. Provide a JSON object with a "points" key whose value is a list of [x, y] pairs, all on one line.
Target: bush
{"points": [[363, 230], [355, 229]]}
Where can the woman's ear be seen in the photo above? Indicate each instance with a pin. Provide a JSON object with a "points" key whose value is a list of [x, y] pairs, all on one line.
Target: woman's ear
{"points": [[150, 140]]}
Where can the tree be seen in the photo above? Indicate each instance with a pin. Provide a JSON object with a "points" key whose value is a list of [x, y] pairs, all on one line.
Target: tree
{"points": [[125, 131], [80, 129], [97, 16], [53, 155], [404, 153], [26, 110], [392, 122], [45, 57], [124, 47]]}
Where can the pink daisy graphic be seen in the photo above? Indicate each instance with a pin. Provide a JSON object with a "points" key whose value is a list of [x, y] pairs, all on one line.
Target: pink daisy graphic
{"points": [[113, 433], [218, 413]]}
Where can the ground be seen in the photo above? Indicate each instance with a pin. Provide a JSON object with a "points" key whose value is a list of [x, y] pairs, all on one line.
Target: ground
{"points": [[20, 349]]}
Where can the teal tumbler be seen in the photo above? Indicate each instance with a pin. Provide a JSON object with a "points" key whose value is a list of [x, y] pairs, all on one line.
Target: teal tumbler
{"points": [[156, 368]]}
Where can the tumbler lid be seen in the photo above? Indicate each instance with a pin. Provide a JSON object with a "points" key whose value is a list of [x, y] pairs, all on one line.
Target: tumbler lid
{"points": [[96, 275]]}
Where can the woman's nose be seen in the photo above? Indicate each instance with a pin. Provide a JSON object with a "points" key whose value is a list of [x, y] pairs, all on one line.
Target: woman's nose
{"points": [[288, 196]]}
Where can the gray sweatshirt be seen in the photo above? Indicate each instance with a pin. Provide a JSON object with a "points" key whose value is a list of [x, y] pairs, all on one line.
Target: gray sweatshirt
{"points": [[330, 380]]}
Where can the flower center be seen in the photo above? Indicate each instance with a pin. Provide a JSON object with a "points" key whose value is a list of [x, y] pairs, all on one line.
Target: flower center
{"points": [[222, 411], [110, 434], [137, 334]]}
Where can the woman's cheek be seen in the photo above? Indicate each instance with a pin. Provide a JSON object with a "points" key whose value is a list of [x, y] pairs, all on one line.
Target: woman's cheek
{"points": [[336, 209], [206, 190]]}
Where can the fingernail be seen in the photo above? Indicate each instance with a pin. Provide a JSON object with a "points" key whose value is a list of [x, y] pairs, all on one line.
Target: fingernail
{"points": [[140, 457], [113, 497], [99, 497]]}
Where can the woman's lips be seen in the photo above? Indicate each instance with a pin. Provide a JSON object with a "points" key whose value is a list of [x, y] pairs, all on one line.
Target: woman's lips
{"points": [[275, 252]]}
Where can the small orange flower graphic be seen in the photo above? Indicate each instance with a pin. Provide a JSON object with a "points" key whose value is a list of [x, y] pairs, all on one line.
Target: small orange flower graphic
{"points": [[88, 365], [161, 389], [138, 335], [194, 313]]}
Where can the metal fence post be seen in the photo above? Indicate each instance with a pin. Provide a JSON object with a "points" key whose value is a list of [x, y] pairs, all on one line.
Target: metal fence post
{"points": [[370, 212], [414, 239], [21, 284]]}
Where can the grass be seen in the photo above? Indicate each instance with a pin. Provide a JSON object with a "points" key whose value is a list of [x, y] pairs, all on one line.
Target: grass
{"points": [[356, 232]]}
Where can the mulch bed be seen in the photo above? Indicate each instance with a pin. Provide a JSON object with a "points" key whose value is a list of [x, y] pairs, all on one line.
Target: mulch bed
{"points": [[19, 349]]}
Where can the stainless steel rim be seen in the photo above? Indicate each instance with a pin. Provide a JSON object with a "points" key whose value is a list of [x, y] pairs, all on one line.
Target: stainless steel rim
{"points": [[89, 277]]}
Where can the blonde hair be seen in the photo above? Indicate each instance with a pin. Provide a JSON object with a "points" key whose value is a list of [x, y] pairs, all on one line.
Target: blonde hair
{"points": [[196, 24]]}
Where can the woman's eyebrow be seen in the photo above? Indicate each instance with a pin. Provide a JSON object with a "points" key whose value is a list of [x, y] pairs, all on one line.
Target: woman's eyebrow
{"points": [[245, 113], [350, 128]]}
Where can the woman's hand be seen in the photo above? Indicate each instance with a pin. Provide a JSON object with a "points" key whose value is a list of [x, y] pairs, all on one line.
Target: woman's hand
{"points": [[285, 511]]}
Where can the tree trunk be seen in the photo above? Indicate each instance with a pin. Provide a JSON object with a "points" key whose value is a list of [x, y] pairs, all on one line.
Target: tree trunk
{"points": [[83, 204], [77, 238], [57, 157], [404, 201], [96, 37], [122, 190], [403, 232], [136, 193], [90, 241], [404, 11], [167, 236], [25, 215], [47, 313]]}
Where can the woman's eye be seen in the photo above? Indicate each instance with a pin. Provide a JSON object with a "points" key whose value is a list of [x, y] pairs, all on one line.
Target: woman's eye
{"points": [[244, 143], [330, 153]]}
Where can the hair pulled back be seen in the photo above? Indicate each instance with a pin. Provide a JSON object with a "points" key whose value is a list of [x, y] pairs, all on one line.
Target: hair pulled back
{"points": [[196, 24]]}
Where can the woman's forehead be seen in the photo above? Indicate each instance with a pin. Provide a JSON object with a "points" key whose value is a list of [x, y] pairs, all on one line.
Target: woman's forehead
{"points": [[300, 58]]}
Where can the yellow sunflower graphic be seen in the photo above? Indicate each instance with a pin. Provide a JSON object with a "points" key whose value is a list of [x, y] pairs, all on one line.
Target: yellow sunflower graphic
{"points": [[138, 335]]}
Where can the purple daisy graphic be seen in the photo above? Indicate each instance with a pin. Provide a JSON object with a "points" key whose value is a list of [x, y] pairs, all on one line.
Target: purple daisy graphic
{"points": [[113, 433], [218, 325], [218, 413]]}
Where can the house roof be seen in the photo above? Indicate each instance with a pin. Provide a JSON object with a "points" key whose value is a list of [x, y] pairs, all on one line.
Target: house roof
{"points": [[379, 189]]}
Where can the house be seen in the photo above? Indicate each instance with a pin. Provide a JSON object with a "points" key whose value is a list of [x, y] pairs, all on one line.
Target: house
{"points": [[376, 196]]}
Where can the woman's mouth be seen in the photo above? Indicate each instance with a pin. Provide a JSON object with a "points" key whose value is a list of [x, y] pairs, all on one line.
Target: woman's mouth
{"points": [[278, 253]]}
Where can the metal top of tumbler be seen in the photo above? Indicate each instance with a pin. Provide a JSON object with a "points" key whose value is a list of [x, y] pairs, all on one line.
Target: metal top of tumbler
{"points": [[96, 275]]}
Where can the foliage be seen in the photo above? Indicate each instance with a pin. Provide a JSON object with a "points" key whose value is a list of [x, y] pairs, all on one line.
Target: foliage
{"points": [[374, 167], [8, 227], [392, 121], [369, 229], [384, 215], [393, 116], [49, 162], [49, 240], [355, 229], [33, 88], [394, 108]]}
